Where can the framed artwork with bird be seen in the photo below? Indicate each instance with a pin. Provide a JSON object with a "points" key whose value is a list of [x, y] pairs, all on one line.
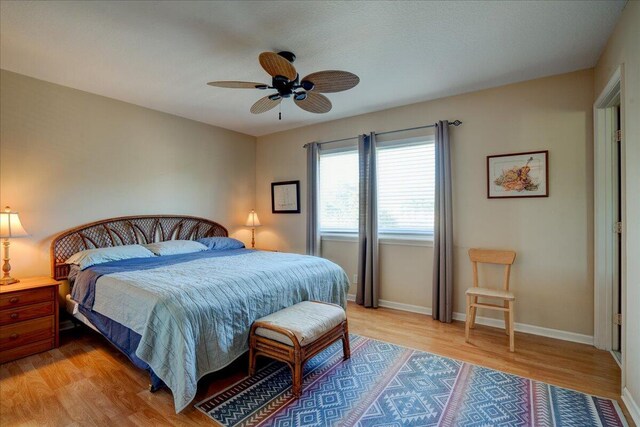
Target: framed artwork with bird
{"points": [[518, 175]]}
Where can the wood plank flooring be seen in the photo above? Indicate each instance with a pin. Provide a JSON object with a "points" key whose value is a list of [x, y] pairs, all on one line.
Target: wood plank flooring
{"points": [[88, 382]]}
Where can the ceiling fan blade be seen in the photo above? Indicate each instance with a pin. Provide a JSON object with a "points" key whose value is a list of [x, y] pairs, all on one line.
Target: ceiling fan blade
{"points": [[276, 65], [314, 103], [332, 81], [265, 104], [238, 85]]}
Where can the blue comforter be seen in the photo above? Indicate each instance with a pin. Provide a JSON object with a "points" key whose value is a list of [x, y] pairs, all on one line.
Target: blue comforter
{"points": [[193, 311]]}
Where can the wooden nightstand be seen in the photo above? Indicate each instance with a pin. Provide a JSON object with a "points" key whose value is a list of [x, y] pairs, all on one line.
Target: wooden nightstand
{"points": [[264, 250], [28, 317]]}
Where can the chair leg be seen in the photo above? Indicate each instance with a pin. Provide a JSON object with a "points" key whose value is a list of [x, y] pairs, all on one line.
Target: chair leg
{"points": [[474, 310], [506, 318], [346, 347], [512, 338], [467, 322]]}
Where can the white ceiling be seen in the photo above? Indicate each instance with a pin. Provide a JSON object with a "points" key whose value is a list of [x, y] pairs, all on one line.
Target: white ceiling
{"points": [[161, 54]]}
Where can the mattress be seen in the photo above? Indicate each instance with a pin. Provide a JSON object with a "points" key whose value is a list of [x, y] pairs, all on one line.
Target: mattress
{"points": [[72, 308]]}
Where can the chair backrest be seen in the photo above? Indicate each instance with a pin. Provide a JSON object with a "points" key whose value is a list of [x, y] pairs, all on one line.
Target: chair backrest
{"points": [[491, 256]]}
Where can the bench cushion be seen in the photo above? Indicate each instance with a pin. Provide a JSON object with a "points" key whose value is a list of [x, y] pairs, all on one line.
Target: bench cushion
{"points": [[307, 320]]}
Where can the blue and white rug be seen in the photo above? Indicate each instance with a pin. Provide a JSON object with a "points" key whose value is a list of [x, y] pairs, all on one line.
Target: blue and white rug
{"points": [[386, 385]]}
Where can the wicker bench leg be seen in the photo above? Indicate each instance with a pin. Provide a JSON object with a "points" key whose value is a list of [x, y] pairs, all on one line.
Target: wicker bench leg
{"points": [[297, 376], [252, 360], [346, 347]]}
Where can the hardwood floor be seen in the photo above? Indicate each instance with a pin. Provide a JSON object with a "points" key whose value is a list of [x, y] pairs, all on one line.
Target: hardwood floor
{"points": [[88, 382]]}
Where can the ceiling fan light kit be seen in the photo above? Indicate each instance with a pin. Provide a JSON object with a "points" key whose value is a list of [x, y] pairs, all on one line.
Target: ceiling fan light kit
{"points": [[306, 92]]}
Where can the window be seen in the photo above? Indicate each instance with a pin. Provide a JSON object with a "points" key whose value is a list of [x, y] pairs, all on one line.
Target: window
{"points": [[339, 189], [406, 186], [406, 181]]}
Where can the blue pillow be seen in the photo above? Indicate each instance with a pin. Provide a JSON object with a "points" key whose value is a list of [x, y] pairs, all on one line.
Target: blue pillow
{"points": [[220, 243]]}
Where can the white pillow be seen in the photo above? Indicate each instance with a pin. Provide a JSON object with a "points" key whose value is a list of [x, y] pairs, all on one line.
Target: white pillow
{"points": [[90, 257], [175, 247]]}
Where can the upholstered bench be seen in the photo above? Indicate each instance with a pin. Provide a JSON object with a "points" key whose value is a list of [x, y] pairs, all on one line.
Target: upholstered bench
{"points": [[295, 334]]}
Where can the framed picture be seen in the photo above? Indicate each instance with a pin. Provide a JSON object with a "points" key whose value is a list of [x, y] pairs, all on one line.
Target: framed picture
{"points": [[285, 197], [518, 175]]}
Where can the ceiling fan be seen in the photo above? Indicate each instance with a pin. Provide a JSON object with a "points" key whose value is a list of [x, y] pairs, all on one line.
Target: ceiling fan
{"points": [[306, 92]]}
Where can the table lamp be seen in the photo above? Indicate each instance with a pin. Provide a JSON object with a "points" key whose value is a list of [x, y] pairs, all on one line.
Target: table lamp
{"points": [[253, 222], [10, 227]]}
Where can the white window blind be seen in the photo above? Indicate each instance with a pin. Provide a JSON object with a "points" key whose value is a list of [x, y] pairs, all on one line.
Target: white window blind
{"points": [[406, 184], [339, 188], [406, 180]]}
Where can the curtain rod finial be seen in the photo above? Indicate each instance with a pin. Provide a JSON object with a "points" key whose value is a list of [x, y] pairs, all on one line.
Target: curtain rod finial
{"points": [[457, 123]]}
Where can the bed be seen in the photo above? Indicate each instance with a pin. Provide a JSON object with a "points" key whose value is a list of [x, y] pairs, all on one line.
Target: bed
{"points": [[183, 316]]}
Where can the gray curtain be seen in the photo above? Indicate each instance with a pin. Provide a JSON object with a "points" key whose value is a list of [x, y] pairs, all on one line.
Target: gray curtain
{"points": [[368, 268], [442, 301], [313, 232]]}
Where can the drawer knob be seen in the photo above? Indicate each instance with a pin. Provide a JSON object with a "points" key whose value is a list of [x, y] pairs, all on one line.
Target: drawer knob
{"points": [[14, 315], [14, 336], [14, 300]]}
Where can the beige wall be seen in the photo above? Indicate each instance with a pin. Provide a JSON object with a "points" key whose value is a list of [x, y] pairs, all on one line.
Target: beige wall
{"points": [[403, 279], [553, 275], [623, 48], [69, 157]]}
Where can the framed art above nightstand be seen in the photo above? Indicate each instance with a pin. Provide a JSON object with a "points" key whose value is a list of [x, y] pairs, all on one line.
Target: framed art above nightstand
{"points": [[285, 197]]}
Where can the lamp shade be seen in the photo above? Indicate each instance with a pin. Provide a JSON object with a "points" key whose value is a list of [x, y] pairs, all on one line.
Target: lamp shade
{"points": [[10, 225], [252, 220]]}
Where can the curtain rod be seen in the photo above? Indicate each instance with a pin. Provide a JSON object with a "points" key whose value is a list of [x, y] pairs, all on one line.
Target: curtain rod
{"points": [[453, 123]]}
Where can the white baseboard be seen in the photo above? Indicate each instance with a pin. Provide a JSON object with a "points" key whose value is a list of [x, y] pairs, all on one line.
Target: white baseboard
{"points": [[487, 321], [397, 305], [632, 405]]}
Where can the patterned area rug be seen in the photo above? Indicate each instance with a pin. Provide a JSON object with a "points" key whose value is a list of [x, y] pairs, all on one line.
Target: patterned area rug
{"points": [[388, 385]]}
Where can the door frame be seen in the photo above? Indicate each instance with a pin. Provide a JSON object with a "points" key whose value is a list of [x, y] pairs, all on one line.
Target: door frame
{"points": [[604, 220]]}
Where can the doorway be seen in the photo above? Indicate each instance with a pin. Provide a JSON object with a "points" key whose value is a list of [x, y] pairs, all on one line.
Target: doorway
{"points": [[616, 343], [609, 201]]}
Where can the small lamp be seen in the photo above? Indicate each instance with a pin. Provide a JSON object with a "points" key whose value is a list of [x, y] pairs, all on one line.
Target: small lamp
{"points": [[10, 227], [253, 222]]}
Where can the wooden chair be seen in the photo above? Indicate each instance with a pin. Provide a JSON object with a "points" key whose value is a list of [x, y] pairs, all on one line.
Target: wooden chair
{"points": [[487, 256]]}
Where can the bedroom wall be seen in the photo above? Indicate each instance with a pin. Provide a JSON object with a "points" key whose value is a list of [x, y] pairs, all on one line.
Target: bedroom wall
{"points": [[553, 275], [69, 157], [623, 48]]}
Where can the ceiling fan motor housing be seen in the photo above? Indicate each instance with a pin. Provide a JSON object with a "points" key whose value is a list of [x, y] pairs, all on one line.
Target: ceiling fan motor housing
{"points": [[284, 86]]}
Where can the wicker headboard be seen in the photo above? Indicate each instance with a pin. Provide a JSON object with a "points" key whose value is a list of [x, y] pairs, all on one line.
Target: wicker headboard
{"points": [[127, 230]]}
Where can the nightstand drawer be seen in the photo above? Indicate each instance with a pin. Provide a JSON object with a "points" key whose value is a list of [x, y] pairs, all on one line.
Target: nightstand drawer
{"points": [[16, 299], [19, 314], [27, 332], [26, 350]]}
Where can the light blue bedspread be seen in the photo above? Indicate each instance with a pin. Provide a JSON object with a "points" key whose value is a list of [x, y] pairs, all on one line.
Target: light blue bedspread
{"points": [[194, 312]]}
